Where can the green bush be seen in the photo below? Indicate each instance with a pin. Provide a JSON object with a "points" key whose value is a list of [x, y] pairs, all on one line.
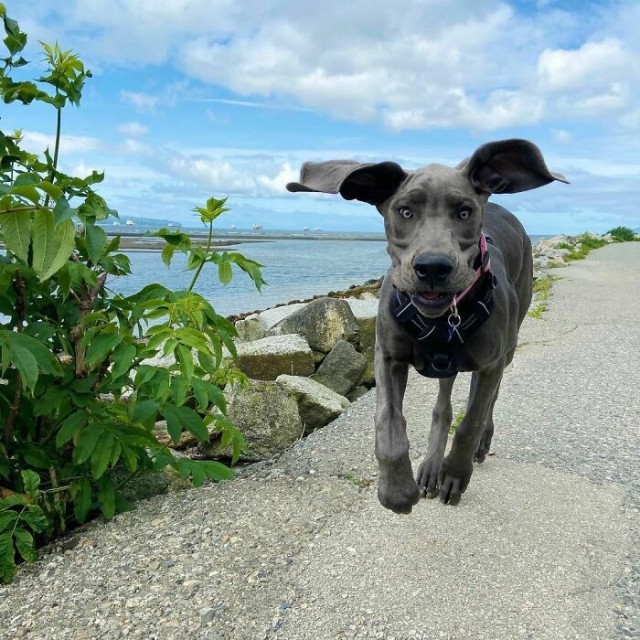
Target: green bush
{"points": [[78, 399], [622, 234]]}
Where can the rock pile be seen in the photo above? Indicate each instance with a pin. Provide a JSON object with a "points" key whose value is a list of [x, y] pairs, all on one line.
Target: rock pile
{"points": [[555, 252], [305, 363]]}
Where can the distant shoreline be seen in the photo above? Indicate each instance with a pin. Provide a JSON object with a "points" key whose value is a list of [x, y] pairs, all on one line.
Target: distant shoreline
{"points": [[140, 241]]}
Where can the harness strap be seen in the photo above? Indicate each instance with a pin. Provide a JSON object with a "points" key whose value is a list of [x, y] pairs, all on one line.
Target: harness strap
{"points": [[484, 266]]}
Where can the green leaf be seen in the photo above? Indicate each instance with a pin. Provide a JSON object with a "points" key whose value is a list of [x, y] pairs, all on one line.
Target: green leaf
{"points": [[179, 388], [197, 475], [185, 360], [35, 456], [145, 411], [192, 338], [107, 497], [86, 443], [7, 557], [207, 393], [25, 545], [52, 244], [7, 519], [16, 230], [13, 500], [96, 242], [100, 347], [101, 454], [225, 272], [200, 393], [52, 190], [174, 423], [144, 373], [31, 482], [216, 470], [27, 179], [21, 344], [35, 517], [194, 423], [27, 191], [24, 361], [63, 210], [167, 253], [82, 500], [70, 427], [122, 357]]}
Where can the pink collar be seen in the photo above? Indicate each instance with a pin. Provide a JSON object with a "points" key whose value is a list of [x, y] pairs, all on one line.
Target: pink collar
{"points": [[485, 266]]}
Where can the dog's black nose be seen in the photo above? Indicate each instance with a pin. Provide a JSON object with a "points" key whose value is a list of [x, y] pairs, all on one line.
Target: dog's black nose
{"points": [[432, 268]]}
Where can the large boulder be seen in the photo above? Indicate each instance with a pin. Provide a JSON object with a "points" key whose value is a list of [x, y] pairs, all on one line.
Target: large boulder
{"points": [[342, 369], [317, 404], [322, 322], [256, 325], [267, 416], [267, 358], [366, 315]]}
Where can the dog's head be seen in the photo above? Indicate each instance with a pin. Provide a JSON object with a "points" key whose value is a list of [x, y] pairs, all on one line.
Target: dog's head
{"points": [[433, 216]]}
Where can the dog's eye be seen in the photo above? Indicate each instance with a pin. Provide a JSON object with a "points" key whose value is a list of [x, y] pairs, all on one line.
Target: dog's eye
{"points": [[465, 213], [405, 212]]}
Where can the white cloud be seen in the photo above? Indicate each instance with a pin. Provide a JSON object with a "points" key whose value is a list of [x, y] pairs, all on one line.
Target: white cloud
{"points": [[483, 65], [37, 142], [133, 129], [218, 176], [276, 185], [139, 100], [562, 136], [593, 65]]}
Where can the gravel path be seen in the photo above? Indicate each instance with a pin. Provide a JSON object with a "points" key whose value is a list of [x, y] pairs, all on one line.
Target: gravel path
{"points": [[544, 545]]}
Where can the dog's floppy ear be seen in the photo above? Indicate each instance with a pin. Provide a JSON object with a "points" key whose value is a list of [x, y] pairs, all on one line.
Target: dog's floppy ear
{"points": [[372, 183], [508, 166]]}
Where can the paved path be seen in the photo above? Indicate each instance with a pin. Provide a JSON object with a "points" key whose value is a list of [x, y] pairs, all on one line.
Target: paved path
{"points": [[544, 545]]}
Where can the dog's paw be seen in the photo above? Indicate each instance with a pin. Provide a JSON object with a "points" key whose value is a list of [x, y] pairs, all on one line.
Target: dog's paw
{"points": [[399, 497], [453, 479], [427, 477]]}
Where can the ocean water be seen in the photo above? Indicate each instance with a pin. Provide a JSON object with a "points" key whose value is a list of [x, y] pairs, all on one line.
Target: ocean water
{"points": [[294, 268]]}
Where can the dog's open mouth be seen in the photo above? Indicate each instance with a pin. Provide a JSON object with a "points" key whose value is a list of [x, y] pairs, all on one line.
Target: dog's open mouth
{"points": [[432, 299]]}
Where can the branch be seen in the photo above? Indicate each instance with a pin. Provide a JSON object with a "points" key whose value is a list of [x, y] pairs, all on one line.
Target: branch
{"points": [[18, 285]]}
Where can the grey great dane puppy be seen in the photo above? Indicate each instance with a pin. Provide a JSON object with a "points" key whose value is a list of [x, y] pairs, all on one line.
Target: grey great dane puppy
{"points": [[437, 223]]}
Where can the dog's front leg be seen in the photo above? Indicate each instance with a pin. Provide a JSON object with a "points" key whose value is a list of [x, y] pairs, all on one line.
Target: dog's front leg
{"points": [[457, 467], [427, 477], [397, 490]]}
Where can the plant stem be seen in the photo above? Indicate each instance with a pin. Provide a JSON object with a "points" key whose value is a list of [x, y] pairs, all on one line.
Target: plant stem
{"points": [[18, 286], [34, 207], [196, 275], [56, 149]]}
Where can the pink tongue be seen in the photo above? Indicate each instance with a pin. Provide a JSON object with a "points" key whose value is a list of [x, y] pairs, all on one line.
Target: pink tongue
{"points": [[431, 295]]}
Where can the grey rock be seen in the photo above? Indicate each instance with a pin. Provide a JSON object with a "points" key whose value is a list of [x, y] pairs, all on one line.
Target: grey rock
{"points": [[322, 323], [267, 358], [317, 404], [267, 416], [366, 314], [250, 329], [357, 393], [342, 369], [256, 325]]}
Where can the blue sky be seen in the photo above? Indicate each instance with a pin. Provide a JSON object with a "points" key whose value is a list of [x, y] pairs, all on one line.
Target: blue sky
{"points": [[193, 98]]}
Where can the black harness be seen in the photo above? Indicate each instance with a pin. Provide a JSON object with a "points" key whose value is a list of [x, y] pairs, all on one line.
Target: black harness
{"points": [[442, 340]]}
